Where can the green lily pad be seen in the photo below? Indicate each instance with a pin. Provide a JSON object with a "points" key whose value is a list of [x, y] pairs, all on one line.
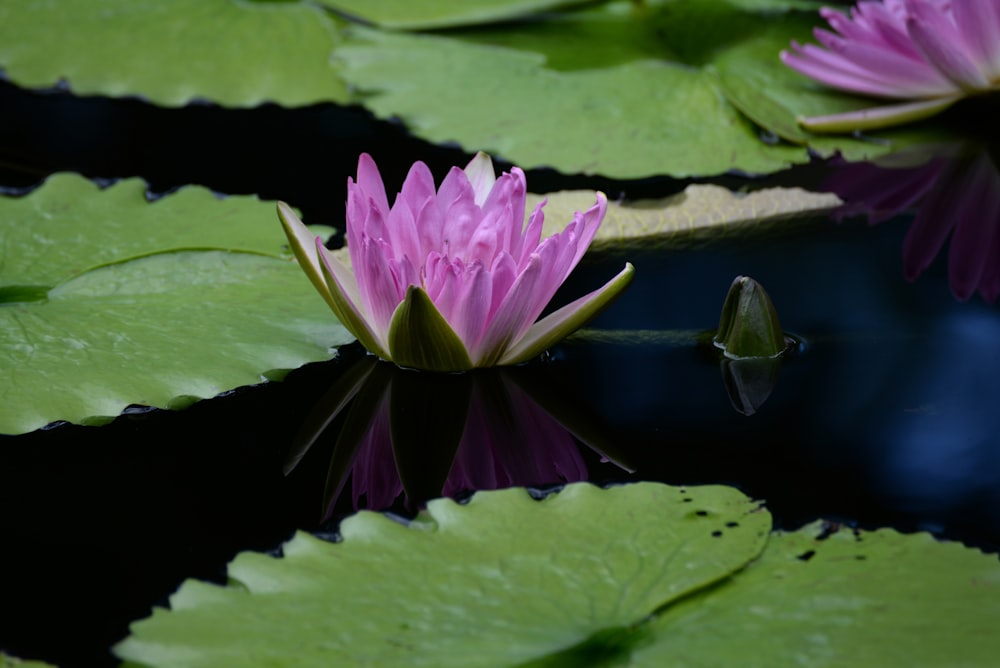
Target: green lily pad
{"points": [[12, 662], [70, 225], [641, 575], [698, 209], [499, 581], [107, 300], [232, 52], [408, 15], [854, 599], [625, 90]]}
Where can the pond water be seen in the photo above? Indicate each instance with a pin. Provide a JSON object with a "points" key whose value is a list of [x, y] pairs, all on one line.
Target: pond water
{"points": [[884, 416]]}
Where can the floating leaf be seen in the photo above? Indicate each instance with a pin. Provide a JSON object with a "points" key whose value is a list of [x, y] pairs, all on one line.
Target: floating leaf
{"points": [[409, 15], [101, 305], [70, 225], [641, 575], [232, 52], [12, 662], [854, 599], [699, 208], [496, 582], [625, 89]]}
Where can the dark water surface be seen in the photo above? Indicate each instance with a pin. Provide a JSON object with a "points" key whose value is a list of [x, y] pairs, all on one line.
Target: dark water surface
{"points": [[885, 416]]}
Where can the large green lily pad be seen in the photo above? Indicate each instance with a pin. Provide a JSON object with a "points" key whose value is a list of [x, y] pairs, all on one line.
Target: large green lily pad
{"points": [[641, 575], [854, 599], [233, 52], [409, 15], [624, 90], [107, 300], [499, 581], [70, 225], [12, 662]]}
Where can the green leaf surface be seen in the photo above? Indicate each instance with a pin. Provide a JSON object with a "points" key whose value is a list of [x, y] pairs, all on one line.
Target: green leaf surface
{"points": [[699, 209], [233, 52], [866, 599], [107, 300], [12, 662], [409, 15], [70, 225], [625, 90], [499, 581]]}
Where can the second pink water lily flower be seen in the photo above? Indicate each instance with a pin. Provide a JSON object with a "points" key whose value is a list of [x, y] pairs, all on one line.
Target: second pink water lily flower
{"points": [[930, 53], [451, 279]]}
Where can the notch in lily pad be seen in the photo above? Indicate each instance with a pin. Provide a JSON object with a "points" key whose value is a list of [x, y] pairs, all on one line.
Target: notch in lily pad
{"points": [[752, 344]]}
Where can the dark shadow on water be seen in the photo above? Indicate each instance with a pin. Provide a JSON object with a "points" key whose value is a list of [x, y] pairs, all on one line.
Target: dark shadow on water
{"points": [[887, 417]]}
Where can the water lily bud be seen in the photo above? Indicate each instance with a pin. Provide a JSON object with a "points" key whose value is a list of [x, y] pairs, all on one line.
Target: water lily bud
{"points": [[749, 324]]}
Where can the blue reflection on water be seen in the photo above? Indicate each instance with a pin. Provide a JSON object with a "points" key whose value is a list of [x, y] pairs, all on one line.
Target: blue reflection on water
{"points": [[888, 416], [943, 449]]}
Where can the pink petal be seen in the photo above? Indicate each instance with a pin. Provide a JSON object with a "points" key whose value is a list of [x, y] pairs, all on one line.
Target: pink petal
{"points": [[381, 291], [468, 316], [591, 221], [513, 316], [370, 183], [506, 202], [503, 273], [526, 243], [481, 176], [978, 22], [939, 40], [459, 211], [400, 232], [488, 237], [401, 228]]}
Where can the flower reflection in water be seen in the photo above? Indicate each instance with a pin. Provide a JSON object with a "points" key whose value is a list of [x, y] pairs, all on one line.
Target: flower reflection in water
{"points": [[420, 436], [955, 189]]}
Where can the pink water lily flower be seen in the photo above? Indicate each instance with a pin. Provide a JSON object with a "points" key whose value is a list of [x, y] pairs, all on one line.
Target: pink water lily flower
{"points": [[930, 53], [451, 279]]}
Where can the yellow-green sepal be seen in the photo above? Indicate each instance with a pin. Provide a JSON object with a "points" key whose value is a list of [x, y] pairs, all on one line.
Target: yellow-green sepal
{"points": [[875, 118], [420, 337], [343, 296], [302, 243]]}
